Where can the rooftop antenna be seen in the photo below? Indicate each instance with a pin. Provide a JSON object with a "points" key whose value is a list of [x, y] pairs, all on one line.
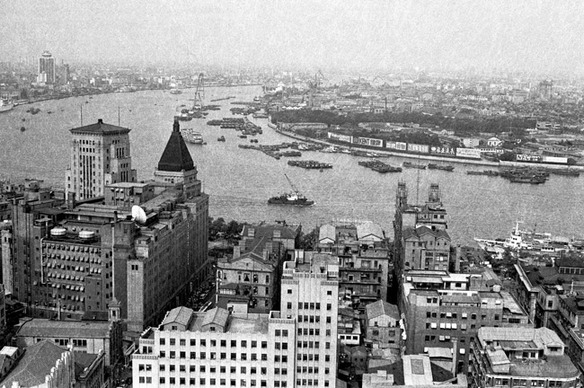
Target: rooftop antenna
{"points": [[118, 115], [81, 107]]}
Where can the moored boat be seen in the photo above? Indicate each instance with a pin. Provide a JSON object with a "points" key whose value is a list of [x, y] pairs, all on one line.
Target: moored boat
{"points": [[293, 198]]}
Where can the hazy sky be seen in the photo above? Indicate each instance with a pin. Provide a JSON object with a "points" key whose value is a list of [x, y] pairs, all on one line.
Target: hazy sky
{"points": [[522, 34]]}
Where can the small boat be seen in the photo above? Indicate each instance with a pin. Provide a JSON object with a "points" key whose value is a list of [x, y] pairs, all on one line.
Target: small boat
{"points": [[414, 165], [221, 138], [243, 136], [434, 166]]}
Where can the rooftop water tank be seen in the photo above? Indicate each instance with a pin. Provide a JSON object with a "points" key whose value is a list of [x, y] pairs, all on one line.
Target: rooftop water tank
{"points": [[56, 232], [85, 234]]}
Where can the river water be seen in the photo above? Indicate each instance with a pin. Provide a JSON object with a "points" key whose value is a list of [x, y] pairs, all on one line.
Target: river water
{"points": [[240, 181]]}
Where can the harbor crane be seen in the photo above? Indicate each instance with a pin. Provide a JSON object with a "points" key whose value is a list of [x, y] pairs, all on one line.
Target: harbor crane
{"points": [[291, 184]]}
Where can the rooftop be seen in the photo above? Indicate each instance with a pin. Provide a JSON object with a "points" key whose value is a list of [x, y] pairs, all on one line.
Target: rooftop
{"points": [[46, 328], [100, 128], [35, 365], [380, 307], [176, 155]]}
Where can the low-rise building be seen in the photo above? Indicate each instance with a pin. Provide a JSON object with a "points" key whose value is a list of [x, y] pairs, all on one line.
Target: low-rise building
{"points": [[89, 337], [383, 325], [365, 260], [520, 357], [441, 307]]}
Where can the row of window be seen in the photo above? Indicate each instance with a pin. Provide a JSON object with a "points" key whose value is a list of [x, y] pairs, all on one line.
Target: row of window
{"points": [[223, 343], [305, 331], [212, 382], [213, 369], [223, 356], [448, 326]]}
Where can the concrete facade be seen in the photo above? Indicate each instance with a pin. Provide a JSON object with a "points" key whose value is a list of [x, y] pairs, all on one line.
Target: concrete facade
{"points": [[100, 155]]}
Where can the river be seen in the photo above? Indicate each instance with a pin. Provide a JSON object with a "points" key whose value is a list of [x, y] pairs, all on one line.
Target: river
{"points": [[240, 181]]}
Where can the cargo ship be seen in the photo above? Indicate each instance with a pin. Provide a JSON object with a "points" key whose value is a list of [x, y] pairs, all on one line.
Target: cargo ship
{"points": [[294, 198]]}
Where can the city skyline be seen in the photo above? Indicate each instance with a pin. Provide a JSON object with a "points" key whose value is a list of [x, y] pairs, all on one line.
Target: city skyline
{"points": [[538, 36]]}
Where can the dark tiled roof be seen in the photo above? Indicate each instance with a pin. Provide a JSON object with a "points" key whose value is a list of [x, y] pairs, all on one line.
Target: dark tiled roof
{"points": [[35, 364], [176, 155], [101, 128]]}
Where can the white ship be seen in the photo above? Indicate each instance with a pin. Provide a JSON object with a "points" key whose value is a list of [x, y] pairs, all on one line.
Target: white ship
{"points": [[191, 136], [525, 240], [6, 105]]}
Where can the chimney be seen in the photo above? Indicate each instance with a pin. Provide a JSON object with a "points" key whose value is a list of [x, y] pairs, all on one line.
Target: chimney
{"points": [[70, 200], [100, 121], [457, 254]]}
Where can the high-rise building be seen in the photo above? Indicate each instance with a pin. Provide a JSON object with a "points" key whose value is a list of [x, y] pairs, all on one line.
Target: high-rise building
{"points": [[144, 246], [46, 73], [310, 292], [294, 347], [100, 155]]}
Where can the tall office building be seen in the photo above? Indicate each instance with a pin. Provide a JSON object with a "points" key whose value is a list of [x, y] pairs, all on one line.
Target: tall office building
{"points": [[100, 155], [144, 245], [310, 292], [46, 73], [294, 347]]}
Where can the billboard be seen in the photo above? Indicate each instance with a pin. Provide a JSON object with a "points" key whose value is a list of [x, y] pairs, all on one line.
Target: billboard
{"points": [[420, 148], [471, 153], [443, 151], [555, 159], [528, 158]]}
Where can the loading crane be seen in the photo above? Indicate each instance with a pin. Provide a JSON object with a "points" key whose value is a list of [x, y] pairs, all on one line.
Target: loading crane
{"points": [[291, 184]]}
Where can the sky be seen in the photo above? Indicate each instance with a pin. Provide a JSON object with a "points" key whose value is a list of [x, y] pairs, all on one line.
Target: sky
{"points": [[526, 35]]}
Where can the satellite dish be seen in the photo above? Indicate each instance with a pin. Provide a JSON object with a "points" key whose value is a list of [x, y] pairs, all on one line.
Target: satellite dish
{"points": [[138, 214]]}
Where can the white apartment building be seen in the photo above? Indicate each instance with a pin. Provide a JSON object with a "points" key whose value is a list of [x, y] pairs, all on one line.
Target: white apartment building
{"points": [[294, 347]]}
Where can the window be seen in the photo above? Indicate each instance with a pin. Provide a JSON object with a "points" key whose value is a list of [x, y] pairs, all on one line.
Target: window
{"points": [[289, 291]]}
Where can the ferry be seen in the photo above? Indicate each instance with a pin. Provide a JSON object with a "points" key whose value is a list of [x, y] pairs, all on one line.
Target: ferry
{"points": [[191, 136]]}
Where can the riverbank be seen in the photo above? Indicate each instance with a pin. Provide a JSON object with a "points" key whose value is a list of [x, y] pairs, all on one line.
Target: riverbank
{"points": [[429, 157]]}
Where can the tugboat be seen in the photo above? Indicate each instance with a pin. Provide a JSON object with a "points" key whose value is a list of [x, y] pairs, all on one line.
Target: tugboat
{"points": [[294, 198]]}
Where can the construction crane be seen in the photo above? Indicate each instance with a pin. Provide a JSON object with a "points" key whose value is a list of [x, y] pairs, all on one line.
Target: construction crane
{"points": [[318, 77], [291, 184], [199, 93]]}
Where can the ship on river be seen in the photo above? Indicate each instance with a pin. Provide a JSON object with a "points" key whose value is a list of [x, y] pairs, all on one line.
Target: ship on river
{"points": [[525, 240], [293, 198]]}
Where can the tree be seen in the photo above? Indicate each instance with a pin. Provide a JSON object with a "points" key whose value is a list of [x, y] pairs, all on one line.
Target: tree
{"points": [[309, 240]]}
